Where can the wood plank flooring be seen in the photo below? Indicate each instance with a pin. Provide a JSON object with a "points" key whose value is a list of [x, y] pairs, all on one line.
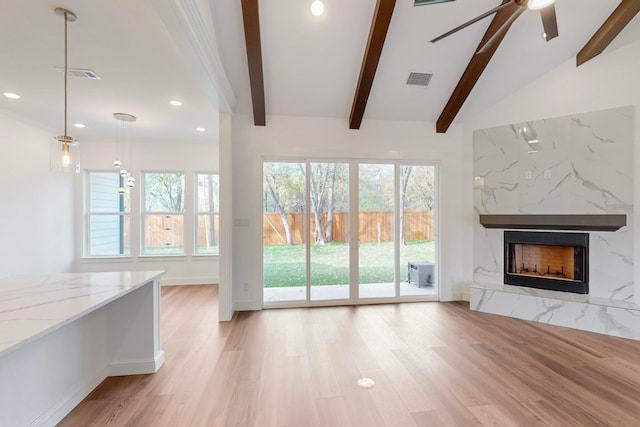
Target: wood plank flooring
{"points": [[434, 364]]}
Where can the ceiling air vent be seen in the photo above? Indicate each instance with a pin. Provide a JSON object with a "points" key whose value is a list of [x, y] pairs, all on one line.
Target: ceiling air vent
{"points": [[80, 73], [419, 79], [426, 2]]}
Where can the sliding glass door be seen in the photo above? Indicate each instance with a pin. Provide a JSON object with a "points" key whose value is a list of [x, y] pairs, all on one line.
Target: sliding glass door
{"points": [[329, 225], [284, 232], [418, 230], [315, 251], [376, 231]]}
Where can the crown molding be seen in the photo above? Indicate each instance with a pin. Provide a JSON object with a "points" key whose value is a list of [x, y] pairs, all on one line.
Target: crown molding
{"points": [[185, 26]]}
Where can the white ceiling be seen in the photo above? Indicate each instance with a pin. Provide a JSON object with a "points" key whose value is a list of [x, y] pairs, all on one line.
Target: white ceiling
{"points": [[122, 41], [311, 65]]}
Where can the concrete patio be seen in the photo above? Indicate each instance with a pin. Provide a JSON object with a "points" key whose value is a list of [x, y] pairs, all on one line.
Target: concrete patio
{"points": [[337, 292]]}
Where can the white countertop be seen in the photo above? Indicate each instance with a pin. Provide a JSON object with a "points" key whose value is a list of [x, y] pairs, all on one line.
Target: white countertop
{"points": [[31, 306]]}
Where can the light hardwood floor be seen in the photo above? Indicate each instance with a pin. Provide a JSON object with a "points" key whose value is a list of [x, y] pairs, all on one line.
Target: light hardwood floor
{"points": [[434, 364]]}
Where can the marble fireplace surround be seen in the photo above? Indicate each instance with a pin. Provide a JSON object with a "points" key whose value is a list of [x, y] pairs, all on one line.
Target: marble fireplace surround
{"points": [[578, 165]]}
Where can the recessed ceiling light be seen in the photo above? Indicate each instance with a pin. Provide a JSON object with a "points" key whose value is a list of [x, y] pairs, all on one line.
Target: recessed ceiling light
{"points": [[175, 103], [317, 8], [80, 125], [11, 95], [200, 129]]}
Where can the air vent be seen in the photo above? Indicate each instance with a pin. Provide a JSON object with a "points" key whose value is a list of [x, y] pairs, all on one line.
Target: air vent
{"points": [[80, 73], [427, 2], [419, 79]]}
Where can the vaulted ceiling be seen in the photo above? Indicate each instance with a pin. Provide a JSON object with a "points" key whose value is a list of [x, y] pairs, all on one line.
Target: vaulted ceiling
{"points": [[318, 66], [148, 52]]}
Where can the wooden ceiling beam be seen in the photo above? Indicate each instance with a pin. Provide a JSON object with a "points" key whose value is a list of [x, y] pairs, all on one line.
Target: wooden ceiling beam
{"points": [[377, 35], [251, 20], [477, 65], [609, 30]]}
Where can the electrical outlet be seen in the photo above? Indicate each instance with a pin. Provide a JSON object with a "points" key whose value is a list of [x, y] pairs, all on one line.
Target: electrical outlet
{"points": [[528, 175], [547, 174], [245, 287]]}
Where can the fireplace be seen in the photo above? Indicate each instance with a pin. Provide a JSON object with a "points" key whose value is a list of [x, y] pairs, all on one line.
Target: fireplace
{"points": [[545, 260]]}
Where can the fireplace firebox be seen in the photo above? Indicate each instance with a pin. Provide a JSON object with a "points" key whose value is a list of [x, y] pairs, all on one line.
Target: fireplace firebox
{"points": [[547, 260]]}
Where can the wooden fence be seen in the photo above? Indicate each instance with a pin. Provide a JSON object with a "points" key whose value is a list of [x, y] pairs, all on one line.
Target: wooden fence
{"points": [[373, 227], [163, 229]]}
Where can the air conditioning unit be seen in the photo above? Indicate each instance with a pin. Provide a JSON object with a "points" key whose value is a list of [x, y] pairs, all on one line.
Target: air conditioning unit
{"points": [[421, 273]]}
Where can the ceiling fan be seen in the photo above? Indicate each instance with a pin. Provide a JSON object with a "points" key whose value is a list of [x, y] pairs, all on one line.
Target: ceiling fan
{"points": [[547, 12]]}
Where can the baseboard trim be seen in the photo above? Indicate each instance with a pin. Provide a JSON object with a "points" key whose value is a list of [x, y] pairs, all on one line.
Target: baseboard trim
{"points": [[136, 367], [54, 414], [184, 281], [246, 306]]}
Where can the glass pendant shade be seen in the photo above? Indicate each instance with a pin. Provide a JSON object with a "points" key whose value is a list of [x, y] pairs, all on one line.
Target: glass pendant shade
{"points": [[64, 155]]}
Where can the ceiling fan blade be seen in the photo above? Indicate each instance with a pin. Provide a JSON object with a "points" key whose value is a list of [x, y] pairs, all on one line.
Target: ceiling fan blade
{"points": [[473, 21], [549, 22], [500, 33]]}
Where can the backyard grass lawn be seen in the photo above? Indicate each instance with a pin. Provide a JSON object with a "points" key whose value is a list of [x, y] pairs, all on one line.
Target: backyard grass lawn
{"points": [[285, 265]]}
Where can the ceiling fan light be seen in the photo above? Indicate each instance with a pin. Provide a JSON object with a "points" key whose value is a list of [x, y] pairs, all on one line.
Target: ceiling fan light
{"points": [[539, 4]]}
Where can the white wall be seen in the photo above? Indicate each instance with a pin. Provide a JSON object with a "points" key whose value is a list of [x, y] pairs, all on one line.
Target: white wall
{"points": [[304, 137], [36, 206], [189, 158], [607, 81]]}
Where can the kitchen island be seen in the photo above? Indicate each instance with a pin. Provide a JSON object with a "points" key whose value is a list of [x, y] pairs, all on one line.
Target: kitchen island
{"points": [[61, 335]]}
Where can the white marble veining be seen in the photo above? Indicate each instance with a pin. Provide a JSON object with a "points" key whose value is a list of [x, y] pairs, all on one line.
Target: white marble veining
{"points": [[35, 305], [581, 164], [611, 317]]}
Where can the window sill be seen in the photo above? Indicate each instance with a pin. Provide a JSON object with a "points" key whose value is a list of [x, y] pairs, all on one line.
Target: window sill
{"points": [[163, 257], [101, 259], [204, 257]]}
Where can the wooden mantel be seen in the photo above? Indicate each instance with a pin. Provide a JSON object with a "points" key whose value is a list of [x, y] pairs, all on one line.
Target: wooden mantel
{"points": [[604, 222]]}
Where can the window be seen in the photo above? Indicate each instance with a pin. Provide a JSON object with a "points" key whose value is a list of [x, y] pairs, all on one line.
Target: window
{"points": [[163, 213], [207, 213], [108, 218]]}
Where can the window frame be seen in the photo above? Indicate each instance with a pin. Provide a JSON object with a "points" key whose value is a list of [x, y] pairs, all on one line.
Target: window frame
{"points": [[89, 214], [143, 214], [197, 212]]}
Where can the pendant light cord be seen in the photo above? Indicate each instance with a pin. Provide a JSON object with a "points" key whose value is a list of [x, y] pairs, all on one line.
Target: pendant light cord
{"points": [[65, 73]]}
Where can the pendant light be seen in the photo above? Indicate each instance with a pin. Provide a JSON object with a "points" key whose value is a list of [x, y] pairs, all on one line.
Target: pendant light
{"points": [[127, 181], [64, 148]]}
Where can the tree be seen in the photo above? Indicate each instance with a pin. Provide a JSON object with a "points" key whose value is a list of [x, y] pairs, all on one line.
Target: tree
{"points": [[376, 188], [164, 192], [405, 175], [284, 186], [420, 189], [327, 184], [212, 190], [418, 194]]}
